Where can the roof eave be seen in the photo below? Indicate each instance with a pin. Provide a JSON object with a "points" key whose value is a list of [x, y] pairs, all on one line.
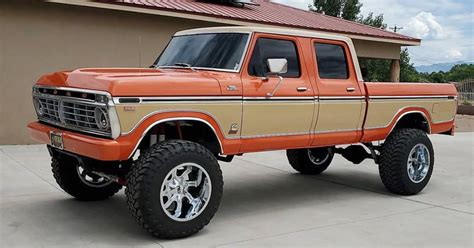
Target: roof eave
{"points": [[230, 21]]}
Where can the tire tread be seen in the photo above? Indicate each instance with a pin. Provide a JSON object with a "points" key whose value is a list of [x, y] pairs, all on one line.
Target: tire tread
{"points": [[149, 162]]}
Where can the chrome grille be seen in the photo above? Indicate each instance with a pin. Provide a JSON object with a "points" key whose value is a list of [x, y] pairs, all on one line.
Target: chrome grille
{"points": [[80, 115], [51, 108], [69, 113]]}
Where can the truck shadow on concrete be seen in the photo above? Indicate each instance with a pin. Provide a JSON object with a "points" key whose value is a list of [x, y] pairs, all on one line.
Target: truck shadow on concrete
{"points": [[56, 216]]}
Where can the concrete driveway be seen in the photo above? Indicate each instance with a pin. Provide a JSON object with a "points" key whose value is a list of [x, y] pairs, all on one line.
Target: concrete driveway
{"points": [[265, 204]]}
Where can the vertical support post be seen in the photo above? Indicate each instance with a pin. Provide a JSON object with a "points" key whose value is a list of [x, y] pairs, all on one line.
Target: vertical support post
{"points": [[395, 71]]}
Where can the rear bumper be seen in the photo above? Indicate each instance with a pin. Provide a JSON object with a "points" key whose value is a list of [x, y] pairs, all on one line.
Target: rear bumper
{"points": [[92, 147]]}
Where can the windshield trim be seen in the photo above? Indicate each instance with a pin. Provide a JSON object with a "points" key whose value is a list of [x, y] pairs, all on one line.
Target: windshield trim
{"points": [[242, 59]]}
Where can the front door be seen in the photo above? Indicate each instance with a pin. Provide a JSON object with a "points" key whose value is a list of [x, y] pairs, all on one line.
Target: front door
{"points": [[282, 119]]}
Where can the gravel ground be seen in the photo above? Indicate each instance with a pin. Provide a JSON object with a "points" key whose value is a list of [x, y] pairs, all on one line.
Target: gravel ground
{"points": [[464, 123]]}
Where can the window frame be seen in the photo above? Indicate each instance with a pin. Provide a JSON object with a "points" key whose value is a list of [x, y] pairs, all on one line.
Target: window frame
{"points": [[242, 59], [347, 56], [272, 37]]}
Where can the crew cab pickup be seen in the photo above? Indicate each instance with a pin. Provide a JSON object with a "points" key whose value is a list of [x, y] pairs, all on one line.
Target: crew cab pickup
{"points": [[215, 93]]}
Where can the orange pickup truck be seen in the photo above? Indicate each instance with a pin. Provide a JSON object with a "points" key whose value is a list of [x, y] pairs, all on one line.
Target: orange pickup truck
{"points": [[215, 93]]}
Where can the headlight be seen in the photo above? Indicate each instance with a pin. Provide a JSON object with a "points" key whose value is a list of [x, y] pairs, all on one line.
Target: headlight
{"points": [[38, 107], [101, 98], [101, 118]]}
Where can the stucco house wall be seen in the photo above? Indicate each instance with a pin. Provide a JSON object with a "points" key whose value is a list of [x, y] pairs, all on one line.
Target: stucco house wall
{"points": [[38, 38]]}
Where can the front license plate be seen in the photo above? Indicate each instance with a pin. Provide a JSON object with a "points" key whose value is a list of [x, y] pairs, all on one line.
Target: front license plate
{"points": [[57, 140]]}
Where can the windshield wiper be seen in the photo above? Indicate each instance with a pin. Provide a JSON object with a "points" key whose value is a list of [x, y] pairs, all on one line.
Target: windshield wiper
{"points": [[180, 65]]}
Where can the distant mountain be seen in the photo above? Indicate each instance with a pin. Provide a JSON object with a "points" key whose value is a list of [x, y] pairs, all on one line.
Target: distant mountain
{"points": [[444, 67]]}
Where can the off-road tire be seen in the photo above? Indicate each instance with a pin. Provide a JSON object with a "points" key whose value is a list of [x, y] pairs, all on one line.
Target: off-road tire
{"points": [[146, 178], [65, 172], [299, 159], [394, 157]]}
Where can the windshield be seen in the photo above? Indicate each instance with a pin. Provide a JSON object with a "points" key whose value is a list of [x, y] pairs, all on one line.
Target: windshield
{"points": [[216, 51]]}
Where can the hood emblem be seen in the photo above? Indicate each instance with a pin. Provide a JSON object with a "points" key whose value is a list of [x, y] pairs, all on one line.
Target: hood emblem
{"points": [[234, 128], [129, 108]]}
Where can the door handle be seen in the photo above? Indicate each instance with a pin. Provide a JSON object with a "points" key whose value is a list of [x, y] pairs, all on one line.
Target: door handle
{"points": [[301, 89], [350, 89]]}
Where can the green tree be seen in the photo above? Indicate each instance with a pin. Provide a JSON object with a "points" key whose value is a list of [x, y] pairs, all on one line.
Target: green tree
{"points": [[351, 10], [456, 74], [460, 72], [371, 20], [346, 9], [408, 72]]}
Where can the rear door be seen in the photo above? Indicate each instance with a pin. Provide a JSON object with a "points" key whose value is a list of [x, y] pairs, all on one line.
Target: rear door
{"points": [[341, 98]]}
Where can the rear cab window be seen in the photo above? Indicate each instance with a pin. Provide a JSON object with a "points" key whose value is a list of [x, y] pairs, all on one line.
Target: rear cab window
{"points": [[331, 61], [269, 48]]}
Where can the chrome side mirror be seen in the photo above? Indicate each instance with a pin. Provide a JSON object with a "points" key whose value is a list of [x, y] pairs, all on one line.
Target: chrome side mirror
{"points": [[277, 66]]}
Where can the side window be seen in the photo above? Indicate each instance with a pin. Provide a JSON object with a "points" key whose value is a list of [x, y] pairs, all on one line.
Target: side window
{"points": [[332, 61], [274, 49]]}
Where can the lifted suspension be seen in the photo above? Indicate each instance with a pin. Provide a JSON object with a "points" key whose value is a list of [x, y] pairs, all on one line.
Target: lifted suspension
{"points": [[357, 153]]}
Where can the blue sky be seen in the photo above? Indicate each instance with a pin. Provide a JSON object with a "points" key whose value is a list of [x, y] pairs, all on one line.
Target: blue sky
{"points": [[445, 26]]}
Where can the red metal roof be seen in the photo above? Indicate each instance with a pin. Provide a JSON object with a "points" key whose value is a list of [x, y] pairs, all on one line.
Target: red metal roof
{"points": [[266, 13]]}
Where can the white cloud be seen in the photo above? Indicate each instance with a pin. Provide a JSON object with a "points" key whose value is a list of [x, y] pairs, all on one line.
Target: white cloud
{"points": [[454, 54], [425, 26], [444, 25]]}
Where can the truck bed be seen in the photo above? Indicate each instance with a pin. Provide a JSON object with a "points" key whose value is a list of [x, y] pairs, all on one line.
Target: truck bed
{"points": [[387, 103]]}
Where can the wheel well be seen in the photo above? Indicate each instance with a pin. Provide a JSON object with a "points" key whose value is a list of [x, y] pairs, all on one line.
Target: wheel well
{"points": [[415, 120], [191, 130]]}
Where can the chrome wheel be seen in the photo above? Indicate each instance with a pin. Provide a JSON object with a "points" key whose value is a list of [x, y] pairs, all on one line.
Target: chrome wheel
{"points": [[92, 179], [319, 156], [185, 192], [418, 163]]}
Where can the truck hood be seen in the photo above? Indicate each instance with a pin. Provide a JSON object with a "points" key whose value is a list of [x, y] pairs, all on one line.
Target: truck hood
{"points": [[137, 82]]}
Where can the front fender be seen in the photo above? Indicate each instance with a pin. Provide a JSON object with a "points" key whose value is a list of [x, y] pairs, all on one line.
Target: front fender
{"points": [[138, 132]]}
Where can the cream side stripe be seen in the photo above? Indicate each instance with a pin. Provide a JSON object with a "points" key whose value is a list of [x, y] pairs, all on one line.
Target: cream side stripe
{"points": [[409, 112], [382, 112], [400, 117], [178, 110]]}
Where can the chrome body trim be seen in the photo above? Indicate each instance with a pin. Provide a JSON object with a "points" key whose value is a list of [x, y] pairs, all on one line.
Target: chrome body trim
{"points": [[341, 98], [279, 98], [150, 99], [175, 119], [337, 131], [299, 133], [72, 89], [274, 135], [412, 97], [144, 100]]}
